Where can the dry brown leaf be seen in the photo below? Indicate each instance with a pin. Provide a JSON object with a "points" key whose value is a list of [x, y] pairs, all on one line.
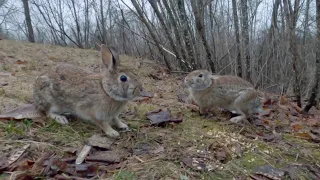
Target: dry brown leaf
{"points": [[283, 100], [17, 154], [194, 163], [296, 126], [160, 117], [27, 111], [270, 172], [104, 156], [97, 140], [21, 61]]}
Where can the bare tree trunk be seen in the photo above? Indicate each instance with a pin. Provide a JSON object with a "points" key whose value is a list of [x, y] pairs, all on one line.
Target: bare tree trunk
{"points": [[182, 63], [236, 31], [306, 22], [28, 20], [315, 87], [245, 38], [211, 18], [151, 31], [198, 11], [268, 44], [187, 35], [176, 31], [292, 23], [103, 26]]}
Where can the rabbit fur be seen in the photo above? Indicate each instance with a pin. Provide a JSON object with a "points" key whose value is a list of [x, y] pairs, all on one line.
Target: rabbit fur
{"points": [[98, 98], [223, 91]]}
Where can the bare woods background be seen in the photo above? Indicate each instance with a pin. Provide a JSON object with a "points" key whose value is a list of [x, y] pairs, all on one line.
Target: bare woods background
{"points": [[271, 43]]}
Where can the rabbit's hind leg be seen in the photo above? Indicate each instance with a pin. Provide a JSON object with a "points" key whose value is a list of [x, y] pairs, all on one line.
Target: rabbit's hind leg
{"points": [[57, 117], [239, 118], [239, 104]]}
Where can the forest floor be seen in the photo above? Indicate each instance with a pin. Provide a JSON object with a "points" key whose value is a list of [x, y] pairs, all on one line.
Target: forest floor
{"points": [[196, 148]]}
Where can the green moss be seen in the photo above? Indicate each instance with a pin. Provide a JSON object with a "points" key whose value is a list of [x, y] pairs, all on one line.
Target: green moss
{"points": [[125, 175], [251, 161]]}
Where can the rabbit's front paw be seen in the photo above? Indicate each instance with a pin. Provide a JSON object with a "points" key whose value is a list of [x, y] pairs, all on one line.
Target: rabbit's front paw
{"points": [[59, 118], [237, 119], [112, 133], [120, 125]]}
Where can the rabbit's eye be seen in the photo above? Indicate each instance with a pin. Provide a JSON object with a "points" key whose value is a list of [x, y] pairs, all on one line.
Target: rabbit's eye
{"points": [[123, 78], [200, 75]]}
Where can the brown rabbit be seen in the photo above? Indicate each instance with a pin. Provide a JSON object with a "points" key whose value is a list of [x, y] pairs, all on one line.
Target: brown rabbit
{"points": [[228, 92], [98, 98]]}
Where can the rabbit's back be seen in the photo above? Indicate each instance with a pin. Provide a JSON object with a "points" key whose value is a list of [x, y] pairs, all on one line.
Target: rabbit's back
{"points": [[223, 91], [64, 87]]}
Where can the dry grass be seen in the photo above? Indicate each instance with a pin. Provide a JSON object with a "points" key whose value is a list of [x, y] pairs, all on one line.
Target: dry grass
{"points": [[189, 138]]}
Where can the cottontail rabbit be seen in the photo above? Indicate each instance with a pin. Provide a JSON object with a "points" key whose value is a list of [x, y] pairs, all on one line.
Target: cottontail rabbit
{"points": [[228, 92], [98, 98]]}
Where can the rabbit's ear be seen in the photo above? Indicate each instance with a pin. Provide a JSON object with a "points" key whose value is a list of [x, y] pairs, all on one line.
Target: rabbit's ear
{"points": [[110, 57]]}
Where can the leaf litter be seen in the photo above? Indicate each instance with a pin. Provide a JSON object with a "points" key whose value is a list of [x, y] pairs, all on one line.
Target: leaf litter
{"points": [[93, 160]]}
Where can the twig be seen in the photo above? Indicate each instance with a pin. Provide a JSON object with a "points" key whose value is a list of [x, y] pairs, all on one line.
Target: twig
{"points": [[139, 159], [182, 72], [297, 157]]}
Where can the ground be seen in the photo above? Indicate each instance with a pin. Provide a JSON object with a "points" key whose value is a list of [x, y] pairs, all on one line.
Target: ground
{"points": [[197, 148]]}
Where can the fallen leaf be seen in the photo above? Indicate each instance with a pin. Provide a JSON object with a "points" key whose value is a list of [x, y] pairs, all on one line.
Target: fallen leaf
{"points": [[99, 141], [27, 111], [5, 74], [17, 154], [297, 108], [312, 122], [316, 131], [21, 61], [270, 172], [283, 100], [272, 137], [160, 117], [296, 126], [269, 102], [71, 150], [38, 168], [141, 148], [304, 135], [194, 164], [24, 165], [158, 150], [258, 177], [4, 84], [104, 156], [309, 136]]}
